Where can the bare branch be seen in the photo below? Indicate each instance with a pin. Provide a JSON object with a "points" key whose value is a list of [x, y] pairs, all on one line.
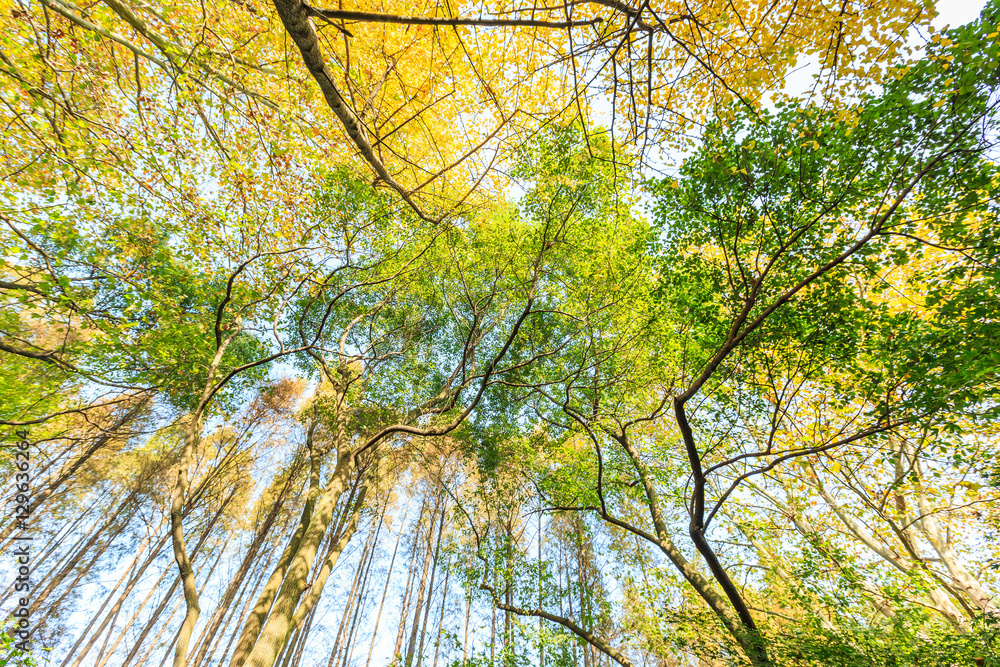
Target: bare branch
{"points": [[368, 17]]}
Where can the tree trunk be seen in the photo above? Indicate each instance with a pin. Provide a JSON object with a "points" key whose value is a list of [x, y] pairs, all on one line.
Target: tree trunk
{"points": [[351, 597], [173, 586], [404, 611], [541, 642], [388, 577], [134, 617], [430, 588], [359, 608], [444, 602], [275, 630], [71, 469], [107, 599], [251, 630], [465, 640], [244, 612], [245, 566], [83, 572], [156, 640], [411, 644]]}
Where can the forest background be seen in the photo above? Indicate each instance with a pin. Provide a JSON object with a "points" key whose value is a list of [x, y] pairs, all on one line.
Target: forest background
{"points": [[478, 333]]}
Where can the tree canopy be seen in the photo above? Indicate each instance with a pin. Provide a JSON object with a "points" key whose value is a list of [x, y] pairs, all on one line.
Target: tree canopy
{"points": [[495, 334]]}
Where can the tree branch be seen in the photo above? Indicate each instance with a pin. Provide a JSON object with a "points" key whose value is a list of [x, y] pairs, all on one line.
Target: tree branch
{"points": [[368, 17]]}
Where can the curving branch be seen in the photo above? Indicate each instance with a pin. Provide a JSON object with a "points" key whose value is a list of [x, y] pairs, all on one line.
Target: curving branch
{"points": [[295, 15]]}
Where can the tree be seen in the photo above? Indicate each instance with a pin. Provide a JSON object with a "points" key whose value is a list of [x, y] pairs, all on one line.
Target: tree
{"points": [[228, 312], [786, 220]]}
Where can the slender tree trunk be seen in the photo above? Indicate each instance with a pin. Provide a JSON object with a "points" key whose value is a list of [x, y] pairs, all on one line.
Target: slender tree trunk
{"points": [[508, 599], [177, 635], [243, 614], [67, 473], [83, 572], [191, 440], [111, 630], [151, 623], [245, 566], [111, 594], [88, 535], [359, 608], [541, 642], [465, 636], [166, 598], [430, 588], [349, 604], [569, 596], [582, 578], [275, 629], [411, 644], [54, 607], [134, 617], [404, 612], [444, 602], [388, 577], [493, 635], [305, 636], [156, 640], [251, 630]]}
